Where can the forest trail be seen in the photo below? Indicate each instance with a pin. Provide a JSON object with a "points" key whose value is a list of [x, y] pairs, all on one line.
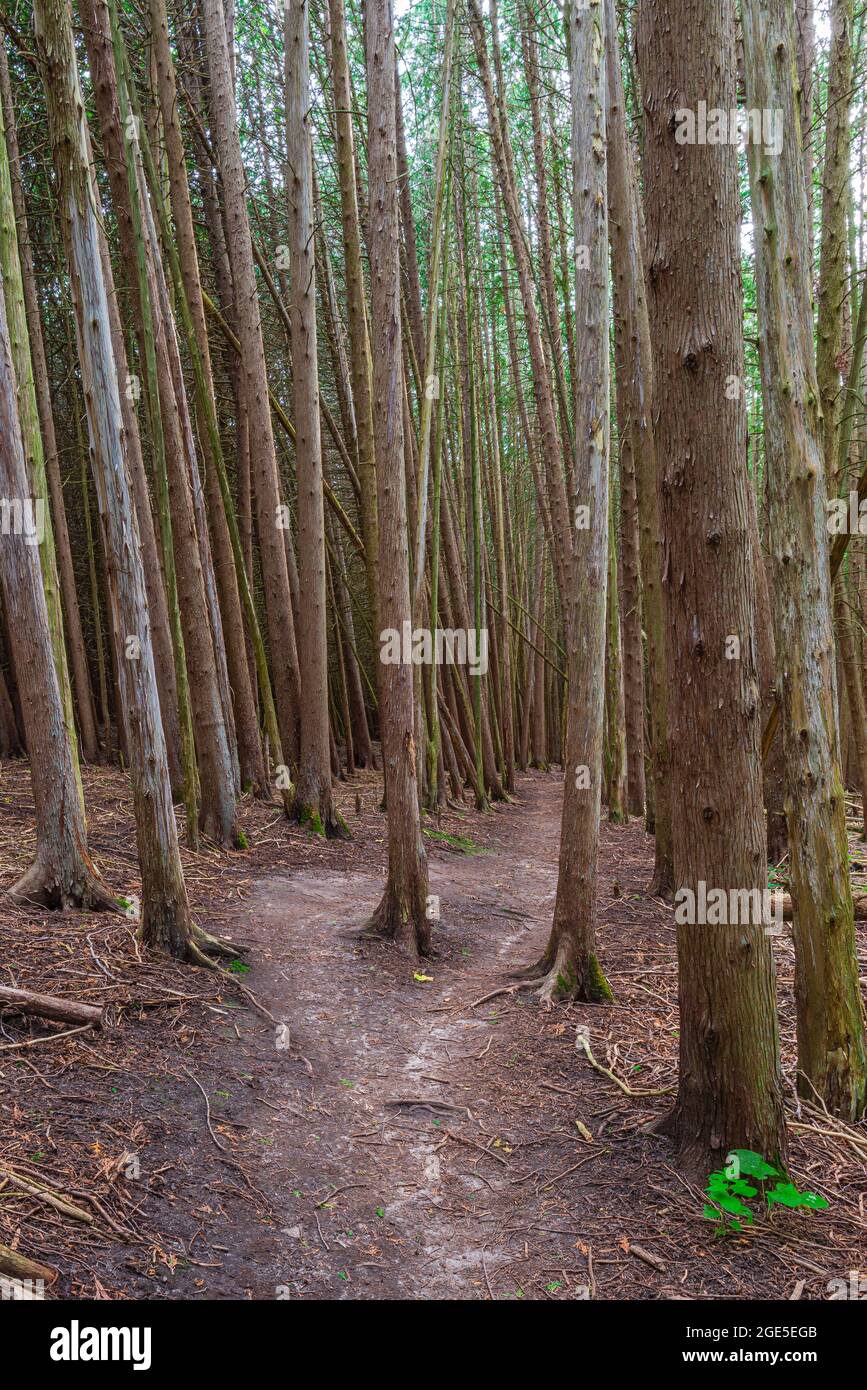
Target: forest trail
{"points": [[416, 1138], [418, 1143], [374, 1047]]}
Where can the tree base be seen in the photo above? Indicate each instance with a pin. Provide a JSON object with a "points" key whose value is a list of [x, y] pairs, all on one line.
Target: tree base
{"points": [[328, 824], [45, 885], [171, 933], [566, 980], [395, 920], [661, 884]]}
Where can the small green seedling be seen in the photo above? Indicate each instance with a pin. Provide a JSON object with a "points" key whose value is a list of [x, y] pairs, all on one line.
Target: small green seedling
{"points": [[729, 1191]]}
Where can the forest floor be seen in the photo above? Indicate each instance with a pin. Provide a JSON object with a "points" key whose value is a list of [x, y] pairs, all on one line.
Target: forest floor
{"points": [[333, 1121]]}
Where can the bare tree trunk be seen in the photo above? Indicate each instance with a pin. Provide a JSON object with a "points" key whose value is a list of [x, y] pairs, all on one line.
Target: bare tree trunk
{"points": [[616, 754], [314, 804], [832, 1059], [834, 246], [805, 52], [62, 875], [635, 382], [551, 445], [171, 429], [252, 766], [730, 1090], [402, 913], [269, 513], [570, 965], [359, 339], [166, 921], [75, 636]]}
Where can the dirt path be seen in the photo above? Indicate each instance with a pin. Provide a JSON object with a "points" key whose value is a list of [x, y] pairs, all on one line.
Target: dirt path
{"points": [[385, 1136], [413, 1180], [419, 1144]]}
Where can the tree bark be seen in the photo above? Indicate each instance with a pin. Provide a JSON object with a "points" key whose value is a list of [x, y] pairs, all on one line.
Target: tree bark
{"points": [[729, 1090], [251, 762], [570, 965], [165, 919], [314, 804], [74, 634], [402, 913], [832, 1060], [62, 875], [263, 457], [635, 382], [359, 339]]}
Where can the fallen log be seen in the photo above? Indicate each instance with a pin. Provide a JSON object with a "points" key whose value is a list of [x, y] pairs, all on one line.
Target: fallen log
{"points": [[860, 903], [18, 1266], [48, 1006]]}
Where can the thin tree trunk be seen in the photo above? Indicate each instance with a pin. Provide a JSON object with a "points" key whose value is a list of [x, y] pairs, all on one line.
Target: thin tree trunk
{"points": [[75, 636], [166, 921], [551, 445], [359, 339], [314, 804], [834, 245], [570, 964], [402, 913], [263, 457], [635, 381], [831, 1046], [62, 875], [252, 767], [31, 436], [615, 695]]}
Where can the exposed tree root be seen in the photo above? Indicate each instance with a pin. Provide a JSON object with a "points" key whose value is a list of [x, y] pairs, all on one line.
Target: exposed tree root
{"points": [[394, 921], [565, 979], [215, 945], [43, 885], [329, 824]]}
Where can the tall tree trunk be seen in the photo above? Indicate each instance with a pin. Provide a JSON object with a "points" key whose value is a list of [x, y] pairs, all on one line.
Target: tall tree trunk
{"points": [[402, 913], [805, 52], [62, 875], [730, 1090], [314, 804], [252, 767], [635, 383], [570, 965], [834, 245], [832, 1061], [359, 338], [75, 636], [31, 436], [616, 771], [263, 457], [550, 437], [166, 921], [172, 439], [630, 608]]}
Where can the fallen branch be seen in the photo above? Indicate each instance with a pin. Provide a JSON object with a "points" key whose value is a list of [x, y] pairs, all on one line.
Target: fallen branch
{"points": [[48, 1006], [45, 1038], [784, 900], [584, 1043], [47, 1195], [19, 1267], [648, 1257]]}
